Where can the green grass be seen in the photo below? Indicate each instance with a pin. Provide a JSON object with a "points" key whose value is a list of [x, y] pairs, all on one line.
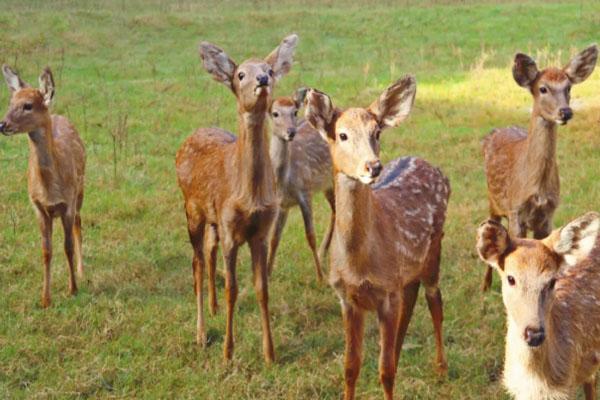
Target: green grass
{"points": [[130, 331]]}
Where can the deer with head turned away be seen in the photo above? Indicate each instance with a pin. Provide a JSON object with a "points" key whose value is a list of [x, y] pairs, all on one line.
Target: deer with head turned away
{"points": [[228, 184], [388, 232], [520, 165], [56, 168], [302, 166], [551, 291]]}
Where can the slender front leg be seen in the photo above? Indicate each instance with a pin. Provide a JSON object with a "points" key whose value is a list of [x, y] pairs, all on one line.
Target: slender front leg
{"points": [[589, 389], [276, 232], [258, 249], [230, 250], [328, 235], [409, 299], [45, 223], [305, 206], [68, 222], [354, 329], [435, 304], [388, 316], [211, 243], [196, 232], [78, 245]]}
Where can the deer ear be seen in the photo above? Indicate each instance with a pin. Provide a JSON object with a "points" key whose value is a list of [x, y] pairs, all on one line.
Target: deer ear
{"points": [[582, 65], [12, 79], [575, 241], [217, 63], [493, 242], [47, 86], [524, 70], [281, 58], [299, 96], [320, 113], [395, 103]]}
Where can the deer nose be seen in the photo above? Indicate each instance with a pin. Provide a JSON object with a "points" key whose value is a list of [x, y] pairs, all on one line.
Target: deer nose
{"points": [[263, 80], [3, 127], [291, 133], [565, 113], [374, 168], [534, 337]]}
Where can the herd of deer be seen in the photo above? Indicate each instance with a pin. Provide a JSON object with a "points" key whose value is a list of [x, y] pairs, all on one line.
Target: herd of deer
{"points": [[386, 228]]}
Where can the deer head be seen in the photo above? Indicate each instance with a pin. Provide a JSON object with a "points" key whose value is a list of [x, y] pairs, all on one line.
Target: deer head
{"points": [[529, 268], [353, 134], [28, 108], [284, 114], [551, 87]]}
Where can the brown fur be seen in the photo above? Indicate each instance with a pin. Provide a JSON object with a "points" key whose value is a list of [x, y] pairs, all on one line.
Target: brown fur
{"points": [[229, 187], [56, 169], [387, 236], [520, 165]]}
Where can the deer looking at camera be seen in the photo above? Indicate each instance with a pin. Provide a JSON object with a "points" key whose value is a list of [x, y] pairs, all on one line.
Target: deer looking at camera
{"points": [[228, 184], [56, 168], [520, 165], [302, 166], [551, 291], [388, 235]]}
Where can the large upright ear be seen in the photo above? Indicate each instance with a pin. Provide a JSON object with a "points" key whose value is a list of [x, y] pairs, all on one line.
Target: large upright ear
{"points": [[524, 70], [395, 103], [582, 65], [492, 242], [299, 96], [47, 86], [575, 241], [217, 63], [281, 58], [320, 113], [12, 79]]}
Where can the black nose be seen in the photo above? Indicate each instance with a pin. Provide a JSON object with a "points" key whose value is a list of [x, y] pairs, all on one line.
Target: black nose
{"points": [[291, 132], [263, 80], [534, 337], [565, 113], [2, 126], [374, 168]]}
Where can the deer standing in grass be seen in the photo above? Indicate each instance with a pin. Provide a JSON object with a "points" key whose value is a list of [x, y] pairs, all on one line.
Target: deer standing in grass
{"points": [[520, 165], [387, 237], [551, 291], [56, 168], [302, 166], [229, 187]]}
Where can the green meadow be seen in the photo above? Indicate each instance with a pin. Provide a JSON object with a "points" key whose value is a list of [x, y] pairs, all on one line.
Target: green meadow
{"points": [[128, 76]]}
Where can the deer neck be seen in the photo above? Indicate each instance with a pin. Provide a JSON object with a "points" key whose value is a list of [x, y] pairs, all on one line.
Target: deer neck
{"points": [[42, 155], [280, 157], [540, 157], [253, 178], [354, 212]]}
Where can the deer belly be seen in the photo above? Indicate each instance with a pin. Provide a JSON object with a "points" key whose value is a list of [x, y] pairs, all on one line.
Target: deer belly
{"points": [[537, 209], [365, 295]]}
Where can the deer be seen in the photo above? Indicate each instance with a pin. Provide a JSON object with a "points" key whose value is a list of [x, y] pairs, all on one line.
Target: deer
{"points": [[388, 228], [520, 165], [551, 291], [302, 166], [56, 168], [228, 185]]}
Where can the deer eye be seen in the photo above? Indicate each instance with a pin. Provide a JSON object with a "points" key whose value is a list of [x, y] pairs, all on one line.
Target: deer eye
{"points": [[511, 280], [568, 89], [271, 73], [241, 76], [543, 90], [275, 114], [343, 137], [552, 283], [28, 106], [296, 113], [377, 135]]}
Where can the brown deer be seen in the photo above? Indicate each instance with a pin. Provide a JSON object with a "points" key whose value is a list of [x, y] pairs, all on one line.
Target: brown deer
{"points": [[388, 235], [520, 165], [56, 168], [302, 166], [551, 291], [228, 184]]}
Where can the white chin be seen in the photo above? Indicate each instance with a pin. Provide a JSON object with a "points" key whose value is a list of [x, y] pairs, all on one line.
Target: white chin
{"points": [[560, 122], [261, 90], [367, 180]]}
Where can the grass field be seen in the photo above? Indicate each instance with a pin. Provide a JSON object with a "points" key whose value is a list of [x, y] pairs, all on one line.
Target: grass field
{"points": [[128, 76]]}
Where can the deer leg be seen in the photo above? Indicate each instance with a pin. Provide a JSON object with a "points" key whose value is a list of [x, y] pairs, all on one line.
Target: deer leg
{"points": [[196, 233], [258, 250], [435, 304], [388, 330], [409, 298], [589, 389], [68, 222], [230, 250], [327, 238], [78, 245], [354, 330], [543, 229], [276, 232], [211, 243], [45, 223], [305, 206]]}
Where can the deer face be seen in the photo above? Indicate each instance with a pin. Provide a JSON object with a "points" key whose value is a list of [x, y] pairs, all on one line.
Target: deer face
{"points": [[551, 87], [284, 115], [252, 81], [28, 108], [530, 269], [353, 134]]}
